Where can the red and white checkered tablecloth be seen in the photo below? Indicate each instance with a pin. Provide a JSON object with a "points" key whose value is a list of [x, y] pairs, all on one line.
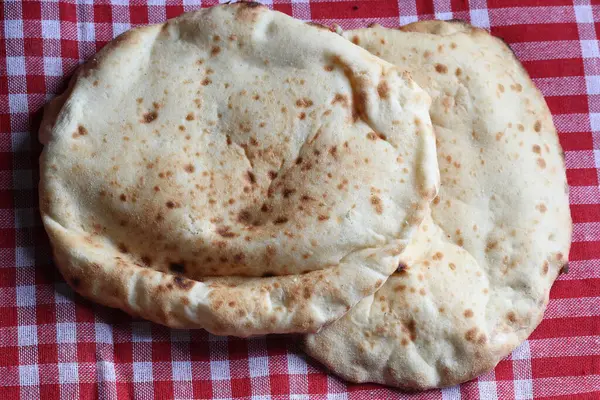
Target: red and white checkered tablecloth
{"points": [[56, 345]]}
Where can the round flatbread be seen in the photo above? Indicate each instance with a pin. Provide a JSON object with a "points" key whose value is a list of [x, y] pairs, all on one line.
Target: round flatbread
{"points": [[237, 170], [475, 281]]}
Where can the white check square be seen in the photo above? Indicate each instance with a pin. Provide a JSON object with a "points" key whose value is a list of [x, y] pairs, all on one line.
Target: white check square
{"points": [[523, 389], [589, 48], [25, 296], [259, 366], [24, 256], [296, 365], [29, 375], [182, 370], [451, 393], [337, 396], [522, 352], [488, 390], [68, 373], [408, 19], [50, 29], [593, 84], [443, 16], [15, 66], [596, 158], [53, 66], [66, 332], [17, 103], [20, 141], [595, 122], [583, 14], [104, 333], [106, 371], [119, 28], [86, 32], [13, 29], [27, 335], [142, 372], [480, 18], [219, 370]]}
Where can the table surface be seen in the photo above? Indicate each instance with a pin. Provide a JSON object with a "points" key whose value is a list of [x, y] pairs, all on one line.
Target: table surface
{"points": [[55, 344]]}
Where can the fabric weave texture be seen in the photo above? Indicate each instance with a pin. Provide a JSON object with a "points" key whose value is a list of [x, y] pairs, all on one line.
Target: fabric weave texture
{"points": [[56, 345]]}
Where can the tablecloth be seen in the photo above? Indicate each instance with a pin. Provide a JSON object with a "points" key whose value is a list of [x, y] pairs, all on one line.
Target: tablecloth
{"points": [[56, 345]]}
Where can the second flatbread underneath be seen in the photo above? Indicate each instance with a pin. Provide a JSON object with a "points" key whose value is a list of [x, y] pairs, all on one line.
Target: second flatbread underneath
{"points": [[475, 281]]}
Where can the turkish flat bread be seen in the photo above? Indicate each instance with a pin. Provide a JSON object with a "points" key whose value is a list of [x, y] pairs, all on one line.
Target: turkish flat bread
{"points": [[475, 281], [236, 170]]}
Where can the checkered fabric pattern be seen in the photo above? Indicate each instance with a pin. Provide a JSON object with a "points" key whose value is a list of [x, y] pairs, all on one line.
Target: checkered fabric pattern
{"points": [[56, 345]]}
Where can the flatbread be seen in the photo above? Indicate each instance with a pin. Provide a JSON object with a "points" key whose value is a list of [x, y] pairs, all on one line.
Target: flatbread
{"points": [[236, 170], [475, 281]]}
